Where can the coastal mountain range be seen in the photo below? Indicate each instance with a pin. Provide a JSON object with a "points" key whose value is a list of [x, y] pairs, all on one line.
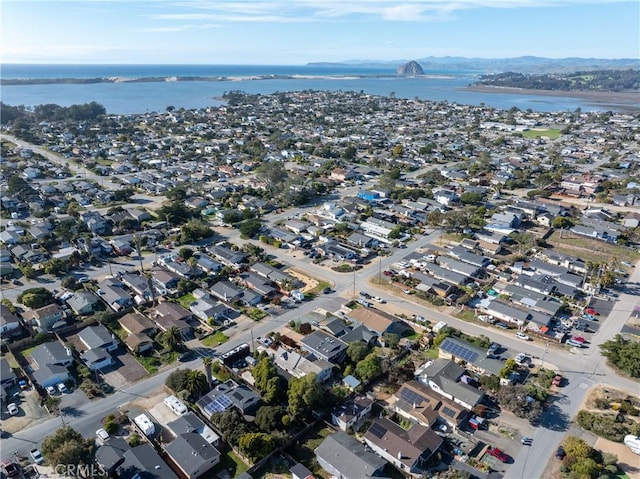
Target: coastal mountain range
{"points": [[524, 64]]}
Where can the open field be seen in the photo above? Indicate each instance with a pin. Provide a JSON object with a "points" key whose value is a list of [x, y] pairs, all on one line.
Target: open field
{"points": [[590, 249]]}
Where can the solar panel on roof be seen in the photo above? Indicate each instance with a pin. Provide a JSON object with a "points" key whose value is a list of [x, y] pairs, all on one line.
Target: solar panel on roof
{"points": [[448, 411], [378, 430], [219, 404], [410, 396], [459, 350]]}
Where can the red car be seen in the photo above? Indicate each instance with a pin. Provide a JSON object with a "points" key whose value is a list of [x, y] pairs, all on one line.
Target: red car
{"points": [[497, 453], [591, 311], [579, 339]]}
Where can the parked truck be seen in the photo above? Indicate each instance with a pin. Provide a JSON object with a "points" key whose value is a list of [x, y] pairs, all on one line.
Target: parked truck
{"points": [[145, 424]]}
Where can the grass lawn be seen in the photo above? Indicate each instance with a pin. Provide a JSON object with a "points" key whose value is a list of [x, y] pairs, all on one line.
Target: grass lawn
{"points": [[186, 300], [431, 353], [319, 288], [150, 363], [303, 450], [590, 249], [231, 463], [552, 133], [215, 339], [466, 315]]}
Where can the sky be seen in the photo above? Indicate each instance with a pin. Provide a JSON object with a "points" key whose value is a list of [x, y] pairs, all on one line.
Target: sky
{"points": [[295, 32]]}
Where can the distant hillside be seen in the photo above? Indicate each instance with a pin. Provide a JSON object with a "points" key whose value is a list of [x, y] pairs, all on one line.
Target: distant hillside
{"points": [[599, 81], [525, 64]]}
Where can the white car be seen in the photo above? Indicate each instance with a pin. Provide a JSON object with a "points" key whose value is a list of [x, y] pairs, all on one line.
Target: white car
{"points": [[522, 358], [521, 335], [62, 388], [102, 435], [51, 390], [36, 456], [378, 299], [12, 409]]}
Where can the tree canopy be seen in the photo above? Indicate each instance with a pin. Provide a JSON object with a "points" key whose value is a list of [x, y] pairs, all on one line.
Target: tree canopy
{"points": [[623, 354], [67, 446], [36, 297]]}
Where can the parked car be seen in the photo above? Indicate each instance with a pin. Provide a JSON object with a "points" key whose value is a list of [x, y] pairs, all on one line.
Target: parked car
{"points": [[387, 273], [522, 358], [62, 388], [560, 453], [502, 325], [591, 311], [102, 436], [557, 380], [575, 344], [36, 456], [365, 294], [186, 356], [521, 335], [579, 339], [11, 469], [497, 453], [378, 299], [12, 409], [627, 264], [51, 390]]}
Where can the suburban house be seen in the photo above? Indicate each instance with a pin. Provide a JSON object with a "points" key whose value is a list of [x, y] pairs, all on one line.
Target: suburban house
{"points": [[378, 321], [344, 457], [324, 346], [227, 256], [349, 414], [99, 343], [9, 322], [192, 454], [189, 422], [207, 309], [226, 395], [298, 366], [144, 462], [446, 378], [164, 281], [140, 331], [277, 276], [52, 360], [45, 318], [227, 291], [7, 376], [407, 449], [169, 315], [114, 294], [422, 404], [82, 302]]}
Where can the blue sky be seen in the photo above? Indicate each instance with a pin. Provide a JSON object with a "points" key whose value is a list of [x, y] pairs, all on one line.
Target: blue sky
{"points": [[290, 32]]}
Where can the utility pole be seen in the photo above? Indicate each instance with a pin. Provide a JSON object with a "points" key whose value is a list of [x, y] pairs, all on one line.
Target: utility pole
{"points": [[354, 283]]}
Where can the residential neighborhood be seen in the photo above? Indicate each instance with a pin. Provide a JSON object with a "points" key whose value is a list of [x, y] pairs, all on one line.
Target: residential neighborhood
{"points": [[380, 288]]}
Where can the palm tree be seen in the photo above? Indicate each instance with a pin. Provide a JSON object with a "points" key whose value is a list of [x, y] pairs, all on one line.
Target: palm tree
{"points": [[195, 382], [172, 338], [207, 361]]}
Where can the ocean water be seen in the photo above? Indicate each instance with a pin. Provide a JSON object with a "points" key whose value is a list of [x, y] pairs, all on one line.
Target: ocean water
{"points": [[143, 97]]}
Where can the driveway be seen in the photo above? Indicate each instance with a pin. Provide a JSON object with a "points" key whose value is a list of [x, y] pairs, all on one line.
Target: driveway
{"points": [[126, 369]]}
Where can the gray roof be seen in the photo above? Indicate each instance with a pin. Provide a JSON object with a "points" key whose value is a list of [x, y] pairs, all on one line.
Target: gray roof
{"points": [[111, 454], [81, 300], [446, 275], [50, 353], [456, 266], [95, 336], [48, 371], [192, 453], [145, 463], [323, 345], [6, 373], [186, 423], [348, 456]]}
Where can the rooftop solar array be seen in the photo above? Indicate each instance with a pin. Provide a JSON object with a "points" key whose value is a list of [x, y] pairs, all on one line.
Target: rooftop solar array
{"points": [[448, 411], [378, 430], [459, 350], [219, 404], [410, 396]]}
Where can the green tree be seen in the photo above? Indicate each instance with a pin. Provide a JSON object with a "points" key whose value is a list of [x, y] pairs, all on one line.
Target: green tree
{"points": [[207, 362], [256, 445], [55, 266], [196, 383], [69, 282], [470, 198], [272, 173], [36, 297], [249, 228], [231, 425], [357, 351], [304, 395], [263, 371], [177, 380], [577, 448], [67, 446], [369, 368], [172, 338], [621, 353], [269, 418], [391, 340], [510, 365]]}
